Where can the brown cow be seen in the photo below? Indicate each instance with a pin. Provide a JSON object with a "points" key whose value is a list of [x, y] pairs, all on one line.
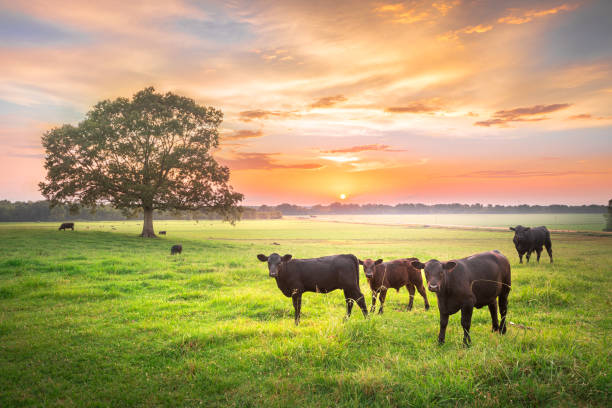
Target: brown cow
{"points": [[393, 274]]}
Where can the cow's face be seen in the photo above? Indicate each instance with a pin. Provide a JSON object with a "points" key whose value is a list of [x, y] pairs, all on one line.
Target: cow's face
{"points": [[435, 272], [520, 234], [369, 266], [275, 262]]}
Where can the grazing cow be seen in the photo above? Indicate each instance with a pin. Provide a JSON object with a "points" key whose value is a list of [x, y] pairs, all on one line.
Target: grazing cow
{"points": [[66, 225], [526, 240], [463, 284], [176, 249], [323, 275], [393, 274], [162, 232]]}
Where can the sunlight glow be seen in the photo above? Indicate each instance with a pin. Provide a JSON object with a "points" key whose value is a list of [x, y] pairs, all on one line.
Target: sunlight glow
{"points": [[340, 159]]}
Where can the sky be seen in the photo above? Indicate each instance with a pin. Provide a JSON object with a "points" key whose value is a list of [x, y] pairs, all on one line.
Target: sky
{"points": [[502, 102]]}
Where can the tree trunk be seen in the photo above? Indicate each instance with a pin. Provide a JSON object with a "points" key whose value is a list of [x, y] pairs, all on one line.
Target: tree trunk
{"points": [[147, 226]]}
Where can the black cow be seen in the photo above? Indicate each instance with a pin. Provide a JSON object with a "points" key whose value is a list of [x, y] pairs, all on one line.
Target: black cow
{"points": [[176, 249], [526, 240], [322, 275], [463, 284], [66, 225], [162, 232]]}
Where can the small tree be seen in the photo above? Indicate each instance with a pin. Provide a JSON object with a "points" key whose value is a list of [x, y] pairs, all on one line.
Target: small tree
{"points": [[148, 153], [608, 217]]}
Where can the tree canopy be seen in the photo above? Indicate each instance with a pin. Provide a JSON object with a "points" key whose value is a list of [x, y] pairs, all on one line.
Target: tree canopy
{"points": [[152, 152]]}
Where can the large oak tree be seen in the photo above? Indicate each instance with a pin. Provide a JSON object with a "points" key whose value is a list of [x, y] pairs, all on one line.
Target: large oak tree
{"points": [[148, 153]]}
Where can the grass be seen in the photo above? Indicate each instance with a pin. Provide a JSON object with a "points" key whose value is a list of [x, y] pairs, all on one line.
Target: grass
{"points": [[100, 317]]}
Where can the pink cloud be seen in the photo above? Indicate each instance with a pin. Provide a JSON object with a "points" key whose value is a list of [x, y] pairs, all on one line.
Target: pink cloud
{"points": [[503, 117], [363, 148]]}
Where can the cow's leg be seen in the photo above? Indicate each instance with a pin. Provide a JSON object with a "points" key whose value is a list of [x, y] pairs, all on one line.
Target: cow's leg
{"points": [[528, 255], [411, 290], [297, 306], [549, 250], [503, 308], [374, 294], [362, 303], [494, 321], [354, 295], [520, 257], [539, 252], [382, 297], [466, 322], [349, 302], [443, 324], [423, 293]]}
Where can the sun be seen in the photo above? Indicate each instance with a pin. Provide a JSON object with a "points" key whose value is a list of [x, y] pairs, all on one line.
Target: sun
{"points": [[342, 196]]}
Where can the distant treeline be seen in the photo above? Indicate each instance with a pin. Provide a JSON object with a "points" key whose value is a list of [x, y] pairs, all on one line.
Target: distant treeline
{"points": [[339, 208], [40, 211]]}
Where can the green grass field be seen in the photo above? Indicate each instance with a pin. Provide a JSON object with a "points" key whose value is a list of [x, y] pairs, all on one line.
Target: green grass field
{"points": [[101, 317]]}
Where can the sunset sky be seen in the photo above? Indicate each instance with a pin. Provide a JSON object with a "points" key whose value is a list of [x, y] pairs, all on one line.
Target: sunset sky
{"points": [[419, 101]]}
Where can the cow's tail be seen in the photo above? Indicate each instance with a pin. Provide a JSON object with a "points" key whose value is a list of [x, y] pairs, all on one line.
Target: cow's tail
{"points": [[356, 269], [506, 270]]}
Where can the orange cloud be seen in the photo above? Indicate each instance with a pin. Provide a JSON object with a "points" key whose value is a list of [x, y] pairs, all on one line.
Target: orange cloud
{"points": [[328, 101], [445, 6], [417, 107], [454, 35], [502, 117], [581, 116], [402, 15], [247, 116], [390, 7], [587, 116], [522, 17], [418, 12], [522, 174], [258, 161], [244, 134], [363, 148]]}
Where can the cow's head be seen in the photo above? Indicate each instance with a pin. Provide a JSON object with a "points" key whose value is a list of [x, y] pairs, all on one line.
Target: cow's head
{"points": [[275, 262], [369, 266], [520, 234], [435, 272]]}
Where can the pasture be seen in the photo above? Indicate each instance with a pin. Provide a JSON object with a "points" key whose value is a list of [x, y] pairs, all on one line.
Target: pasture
{"points": [[101, 317]]}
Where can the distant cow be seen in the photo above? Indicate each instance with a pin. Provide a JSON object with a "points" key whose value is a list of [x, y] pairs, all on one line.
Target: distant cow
{"points": [[323, 275], [393, 274], [66, 225], [162, 232], [463, 284], [526, 240], [176, 249]]}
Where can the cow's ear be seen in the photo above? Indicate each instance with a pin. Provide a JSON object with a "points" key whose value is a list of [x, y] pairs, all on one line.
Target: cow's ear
{"points": [[360, 262], [527, 229], [512, 229], [449, 266], [378, 261], [262, 257], [286, 258], [418, 264]]}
